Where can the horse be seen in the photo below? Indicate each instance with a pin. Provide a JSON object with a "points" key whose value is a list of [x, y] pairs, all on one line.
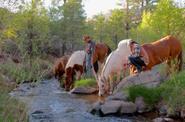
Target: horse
{"points": [[100, 53], [166, 49], [75, 66], [59, 67], [116, 62]]}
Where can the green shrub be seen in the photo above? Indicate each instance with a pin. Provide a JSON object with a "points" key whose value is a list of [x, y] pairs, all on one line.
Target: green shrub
{"points": [[85, 83], [24, 72], [150, 95], [11, 110], [173, 91]]}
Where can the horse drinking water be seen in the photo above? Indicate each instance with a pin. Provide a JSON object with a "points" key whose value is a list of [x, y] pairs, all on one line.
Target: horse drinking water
{"points": [[114, 64], [75, 66]]}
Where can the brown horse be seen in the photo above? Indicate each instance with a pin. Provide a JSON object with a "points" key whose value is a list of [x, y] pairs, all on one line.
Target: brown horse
{"points": [[59, 66], [101, 51], [166, 49]]}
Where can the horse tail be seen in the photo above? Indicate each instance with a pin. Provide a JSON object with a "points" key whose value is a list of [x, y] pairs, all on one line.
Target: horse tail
{"points": [[180, 61]]}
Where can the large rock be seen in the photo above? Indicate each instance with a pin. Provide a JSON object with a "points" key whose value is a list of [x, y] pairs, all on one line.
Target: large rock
{"points": [[111, 107], [96, 108], [140, 104], [118, 96], [83, 90], [127, 108], [117, 107], [148, 78], [161, 119]]}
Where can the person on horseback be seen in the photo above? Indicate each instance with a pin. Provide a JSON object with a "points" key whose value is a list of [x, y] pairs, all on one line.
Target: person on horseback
{"points": [[89, 49], [138, 58]]}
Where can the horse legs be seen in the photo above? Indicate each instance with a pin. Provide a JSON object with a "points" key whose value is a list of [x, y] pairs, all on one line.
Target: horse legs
{"points": [[78, 75], [168, 69], [179, 61], [117, 79], [111, 84]]}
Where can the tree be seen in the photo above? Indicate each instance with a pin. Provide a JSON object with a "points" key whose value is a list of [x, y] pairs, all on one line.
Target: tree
{"points": [[72, 23], [166, 19], [116, 22]]}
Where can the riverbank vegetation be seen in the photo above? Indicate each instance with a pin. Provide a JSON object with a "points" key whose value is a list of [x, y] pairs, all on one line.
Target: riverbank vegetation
{"points": [[86, 83], [11, 110], [170, 92]]}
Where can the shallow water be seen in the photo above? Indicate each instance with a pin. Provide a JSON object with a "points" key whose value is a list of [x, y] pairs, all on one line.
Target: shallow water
{"points": [[47, 102]]}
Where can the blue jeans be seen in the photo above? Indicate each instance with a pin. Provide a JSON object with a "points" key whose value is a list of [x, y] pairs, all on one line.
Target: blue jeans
{"points": [[88, 65], [137, 62]]}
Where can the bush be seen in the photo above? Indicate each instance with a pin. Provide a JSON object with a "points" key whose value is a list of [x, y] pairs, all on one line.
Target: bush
{"points": [[10, 109], [23, 72], [173, 91], [85, 83], [150, 95], [10, 47]]}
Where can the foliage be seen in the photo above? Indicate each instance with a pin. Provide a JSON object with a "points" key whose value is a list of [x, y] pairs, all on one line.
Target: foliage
{"points": [[10, 109], [166, 19], [22, 72], [72, 22], [85, 83], [150, 95], [170, 91], [173, 91]]}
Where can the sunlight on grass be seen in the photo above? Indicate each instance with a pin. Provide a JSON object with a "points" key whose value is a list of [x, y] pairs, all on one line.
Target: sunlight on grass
{"points": [[150, 95], [85, 83]]}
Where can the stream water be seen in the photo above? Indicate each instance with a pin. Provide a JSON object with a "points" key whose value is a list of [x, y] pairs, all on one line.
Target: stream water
{"points": [[47, 102]]}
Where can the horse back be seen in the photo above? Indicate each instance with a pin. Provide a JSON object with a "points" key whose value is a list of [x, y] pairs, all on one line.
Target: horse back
{"points": [[100, 52], [166, 48]]}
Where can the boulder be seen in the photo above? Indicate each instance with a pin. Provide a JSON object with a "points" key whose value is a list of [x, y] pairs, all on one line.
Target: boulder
{"points": [[147, 78], [140, 105], [118, 107], [111, 107], [83, 90], [127, 108], [96, 108], [118, 96], [161, 119]]}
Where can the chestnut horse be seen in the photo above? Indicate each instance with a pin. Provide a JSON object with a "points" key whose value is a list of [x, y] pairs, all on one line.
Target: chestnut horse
{"points": [[59, 66], [100, 53], [75, 66], [166, 49]]}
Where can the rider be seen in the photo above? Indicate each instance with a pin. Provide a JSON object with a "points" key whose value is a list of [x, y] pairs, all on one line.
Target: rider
{"points": [[89, 48], [138, 58]]}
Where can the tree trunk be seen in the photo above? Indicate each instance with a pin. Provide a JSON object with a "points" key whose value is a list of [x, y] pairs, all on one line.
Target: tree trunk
{"points": [[127, 19]]}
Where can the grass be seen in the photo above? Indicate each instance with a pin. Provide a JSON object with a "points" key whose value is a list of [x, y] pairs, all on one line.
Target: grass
{"points": [[172, 92], [85, 83], [23, 72], [150, 95], [11, 110]]}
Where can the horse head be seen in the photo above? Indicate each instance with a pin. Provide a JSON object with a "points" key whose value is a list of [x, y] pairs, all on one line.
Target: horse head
{"points": [[68, 83]]}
